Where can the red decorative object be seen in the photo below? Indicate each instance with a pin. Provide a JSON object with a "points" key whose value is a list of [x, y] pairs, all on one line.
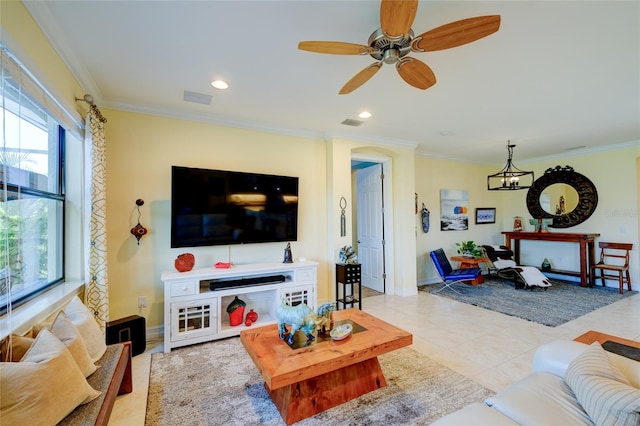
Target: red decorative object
{"points": [[252, 316], [185, 262], [235, 317], [248, 322], [139, 231], [236, 311]]}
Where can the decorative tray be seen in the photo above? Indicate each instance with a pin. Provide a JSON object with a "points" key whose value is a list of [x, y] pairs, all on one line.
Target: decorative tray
{"points": [[341, 332]]}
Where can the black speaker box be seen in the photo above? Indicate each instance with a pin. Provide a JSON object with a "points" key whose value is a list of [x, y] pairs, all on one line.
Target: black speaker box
{"points": [[130, 329]]}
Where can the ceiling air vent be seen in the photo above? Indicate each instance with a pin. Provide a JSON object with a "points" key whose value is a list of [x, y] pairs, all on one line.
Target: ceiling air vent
{"points": [[198, 98], [351, 122]]}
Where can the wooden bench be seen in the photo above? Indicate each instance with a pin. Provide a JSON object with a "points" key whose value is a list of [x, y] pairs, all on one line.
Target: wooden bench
{"points": [[112, 378]]}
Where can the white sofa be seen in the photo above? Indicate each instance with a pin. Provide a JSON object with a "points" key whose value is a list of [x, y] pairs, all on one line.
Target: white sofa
{"points": [[566, 375]]}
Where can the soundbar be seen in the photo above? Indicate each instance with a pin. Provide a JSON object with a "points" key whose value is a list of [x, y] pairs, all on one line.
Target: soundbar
{"points": [[244, 282]]}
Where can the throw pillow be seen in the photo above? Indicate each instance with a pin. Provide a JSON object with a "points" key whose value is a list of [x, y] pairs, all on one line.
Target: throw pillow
{"points": [[602, 390], [66, 331], [14, 347], [44, 387], [504, 263], [84, 320], [594, 362], [608, 402]]}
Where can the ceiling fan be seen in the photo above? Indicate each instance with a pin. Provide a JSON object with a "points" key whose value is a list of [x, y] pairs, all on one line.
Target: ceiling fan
{"points": [[394, 40]]}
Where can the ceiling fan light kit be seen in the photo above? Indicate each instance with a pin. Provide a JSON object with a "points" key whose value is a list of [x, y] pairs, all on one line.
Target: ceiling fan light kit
{"points": [[394, 40]]}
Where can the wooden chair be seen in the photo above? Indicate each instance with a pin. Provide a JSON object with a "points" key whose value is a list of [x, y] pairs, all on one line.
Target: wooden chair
{"points": [[614, 263]]}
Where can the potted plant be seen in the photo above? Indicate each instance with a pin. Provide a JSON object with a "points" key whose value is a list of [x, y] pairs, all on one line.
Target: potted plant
{"points": [[468, 249]]}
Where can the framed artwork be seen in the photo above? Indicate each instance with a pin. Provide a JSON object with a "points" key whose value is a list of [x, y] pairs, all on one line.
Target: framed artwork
{"points": [[485, 215], [454, 210]]}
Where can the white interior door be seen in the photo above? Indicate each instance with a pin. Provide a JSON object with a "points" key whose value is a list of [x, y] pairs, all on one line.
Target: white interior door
{"points": [[370, 226]]}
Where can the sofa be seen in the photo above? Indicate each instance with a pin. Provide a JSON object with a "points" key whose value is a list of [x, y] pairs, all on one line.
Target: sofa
{"points": [[571, 384]]}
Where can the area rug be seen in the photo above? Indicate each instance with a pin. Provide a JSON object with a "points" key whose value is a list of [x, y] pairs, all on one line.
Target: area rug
{"points": [[217, 384], [562, 302]]}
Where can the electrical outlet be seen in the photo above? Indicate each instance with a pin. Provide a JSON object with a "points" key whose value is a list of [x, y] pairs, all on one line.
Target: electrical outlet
{"points": [[142, 301]]}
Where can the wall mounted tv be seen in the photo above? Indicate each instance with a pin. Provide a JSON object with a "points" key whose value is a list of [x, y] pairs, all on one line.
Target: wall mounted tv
{"points": [[217, 207]]}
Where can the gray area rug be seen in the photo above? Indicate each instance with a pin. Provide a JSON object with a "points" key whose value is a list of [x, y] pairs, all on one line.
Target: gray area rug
{"points": [[217, 384], [562, 302]]}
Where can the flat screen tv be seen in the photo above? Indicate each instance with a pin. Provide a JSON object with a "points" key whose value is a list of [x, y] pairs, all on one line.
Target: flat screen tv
{"points": [[218, 207]]}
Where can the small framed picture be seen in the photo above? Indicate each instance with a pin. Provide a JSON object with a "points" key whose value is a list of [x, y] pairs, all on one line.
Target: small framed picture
{"points": [[485, 215]]}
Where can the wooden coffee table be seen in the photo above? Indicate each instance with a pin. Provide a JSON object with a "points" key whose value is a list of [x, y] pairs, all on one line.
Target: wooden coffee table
{"points": [[306, 381], [595, 336]]}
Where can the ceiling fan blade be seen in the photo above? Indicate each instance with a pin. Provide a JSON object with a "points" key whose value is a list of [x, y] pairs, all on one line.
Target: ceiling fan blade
{"points": [[334, 47], [396, 16], [360, 78], [457, 33], [416, 73]]}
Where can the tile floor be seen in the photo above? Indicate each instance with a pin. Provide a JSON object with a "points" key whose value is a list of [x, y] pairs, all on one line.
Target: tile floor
{"points": [[493, 349]]}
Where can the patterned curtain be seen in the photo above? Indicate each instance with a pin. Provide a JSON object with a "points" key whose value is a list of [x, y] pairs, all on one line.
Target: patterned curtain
{"points": [[97, 293]]}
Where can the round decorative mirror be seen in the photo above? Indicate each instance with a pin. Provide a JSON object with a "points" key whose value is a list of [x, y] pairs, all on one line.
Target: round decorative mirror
{"points": [[563, 195], [558, 199]]}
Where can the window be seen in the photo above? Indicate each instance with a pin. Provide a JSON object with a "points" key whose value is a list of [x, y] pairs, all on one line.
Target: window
{"points": [[31, 195]]}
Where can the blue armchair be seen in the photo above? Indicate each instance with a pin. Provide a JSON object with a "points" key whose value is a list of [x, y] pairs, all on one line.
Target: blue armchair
{"points": [[448, 274]]}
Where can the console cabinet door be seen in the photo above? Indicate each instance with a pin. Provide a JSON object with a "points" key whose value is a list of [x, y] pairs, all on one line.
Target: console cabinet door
{"points": [[194, 318], [296, 295]]}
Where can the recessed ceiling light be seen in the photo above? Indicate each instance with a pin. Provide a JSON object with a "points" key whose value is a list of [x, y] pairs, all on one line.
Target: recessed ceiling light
{"points": [[364, 114], [219, 84]]}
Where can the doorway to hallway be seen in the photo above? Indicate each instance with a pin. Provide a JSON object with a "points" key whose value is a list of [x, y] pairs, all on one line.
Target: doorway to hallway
{"points": [[372, 195]]}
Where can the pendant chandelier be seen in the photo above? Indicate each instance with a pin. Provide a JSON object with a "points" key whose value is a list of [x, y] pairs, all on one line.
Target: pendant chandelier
{"points": [[510, 178]]}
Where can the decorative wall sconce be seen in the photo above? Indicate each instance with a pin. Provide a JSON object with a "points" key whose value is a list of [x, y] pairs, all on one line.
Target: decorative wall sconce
{"points": [[139, 231], [343, 218]]}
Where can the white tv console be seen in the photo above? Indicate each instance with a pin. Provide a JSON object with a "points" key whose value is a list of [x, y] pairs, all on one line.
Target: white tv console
{"points": [[193, 313]]}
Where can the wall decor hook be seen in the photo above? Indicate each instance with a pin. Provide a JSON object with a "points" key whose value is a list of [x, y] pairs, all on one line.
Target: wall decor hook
{"points": [[343, 218]]}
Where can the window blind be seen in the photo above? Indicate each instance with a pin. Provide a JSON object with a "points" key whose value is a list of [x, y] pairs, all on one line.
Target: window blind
{"points": [[18, 76]]}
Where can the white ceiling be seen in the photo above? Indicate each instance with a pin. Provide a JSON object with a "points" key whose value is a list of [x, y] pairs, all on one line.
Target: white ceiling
{"points": [[556, 76]]}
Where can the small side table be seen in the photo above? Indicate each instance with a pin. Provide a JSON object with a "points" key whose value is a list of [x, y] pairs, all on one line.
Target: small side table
{"points": [[471, 262], [348, 279]]}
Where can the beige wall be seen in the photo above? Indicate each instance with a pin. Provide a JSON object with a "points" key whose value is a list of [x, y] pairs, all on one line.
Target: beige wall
{"points": [[432, 175], [614, 173], [141, 148], [399, 234], [616, 217], [24, 38], [21, 34]]}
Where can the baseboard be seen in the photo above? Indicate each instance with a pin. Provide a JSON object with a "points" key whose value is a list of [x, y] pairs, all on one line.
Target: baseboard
{"points": [[429, 281], [156, 332], [407, 292], [562, 277]]}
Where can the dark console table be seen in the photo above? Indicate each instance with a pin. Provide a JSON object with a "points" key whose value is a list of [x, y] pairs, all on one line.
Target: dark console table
{"points": [[585, 241]]}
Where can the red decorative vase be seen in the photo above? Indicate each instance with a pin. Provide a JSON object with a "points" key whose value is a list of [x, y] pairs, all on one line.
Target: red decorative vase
{"points": [[252, 316], [235, 317], [185, 262], [236, 311]]}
